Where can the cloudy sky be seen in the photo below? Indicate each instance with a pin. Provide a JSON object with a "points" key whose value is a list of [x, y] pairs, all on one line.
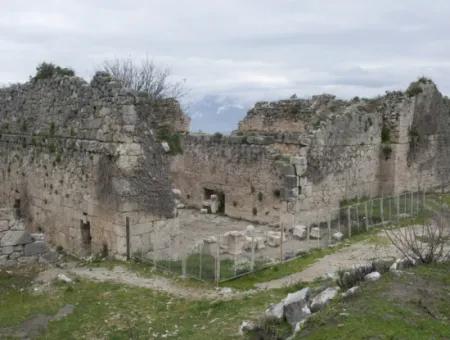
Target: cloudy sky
{"points": [[235, 52]]}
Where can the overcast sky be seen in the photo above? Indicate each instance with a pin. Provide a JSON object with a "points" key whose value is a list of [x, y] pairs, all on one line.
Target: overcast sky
{"points": [[235, 52]]}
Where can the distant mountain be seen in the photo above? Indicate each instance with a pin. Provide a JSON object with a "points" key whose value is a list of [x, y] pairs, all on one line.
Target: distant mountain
{"points": [[216, 114]]}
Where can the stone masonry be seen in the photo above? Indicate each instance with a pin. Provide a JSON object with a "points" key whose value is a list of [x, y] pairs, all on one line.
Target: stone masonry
{"points": [[305, 156], [77, 158]]}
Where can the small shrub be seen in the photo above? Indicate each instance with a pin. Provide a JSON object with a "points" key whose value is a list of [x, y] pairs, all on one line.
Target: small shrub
{"points": [[49, 70], [385, 134]]}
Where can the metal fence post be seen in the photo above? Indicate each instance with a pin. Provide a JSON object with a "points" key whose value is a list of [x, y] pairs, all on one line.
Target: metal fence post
{"points": [[252, 265], [127, 227], [218, 261], [201, 261], [382, 209], [349, 222], [329, 229], [366, 216], [412, 204], [398, 208], [357, 216]]}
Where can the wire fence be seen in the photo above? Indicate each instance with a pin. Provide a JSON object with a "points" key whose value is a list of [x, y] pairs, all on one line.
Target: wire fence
{"points": [[235, 253]]}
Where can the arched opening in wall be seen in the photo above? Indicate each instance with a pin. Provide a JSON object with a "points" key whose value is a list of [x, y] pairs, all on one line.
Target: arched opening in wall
{"points": [[86, 238], [216, 200]]}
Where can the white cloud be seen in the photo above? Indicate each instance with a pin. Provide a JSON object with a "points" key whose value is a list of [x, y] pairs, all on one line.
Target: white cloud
{"points": [[244, 50]]}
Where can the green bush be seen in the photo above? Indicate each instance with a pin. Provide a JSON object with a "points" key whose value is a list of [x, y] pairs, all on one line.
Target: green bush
{"points": [[164, 134], [48, 70], [414, 89], [385, 135]]}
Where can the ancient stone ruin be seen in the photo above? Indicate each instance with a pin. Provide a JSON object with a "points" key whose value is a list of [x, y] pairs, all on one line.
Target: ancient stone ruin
{"points": [[302, 157], [78, 159], [81, 161]]}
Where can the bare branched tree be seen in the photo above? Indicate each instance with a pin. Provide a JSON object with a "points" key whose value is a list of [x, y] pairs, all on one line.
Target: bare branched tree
{"points": [[146, 77], [425, 243]]}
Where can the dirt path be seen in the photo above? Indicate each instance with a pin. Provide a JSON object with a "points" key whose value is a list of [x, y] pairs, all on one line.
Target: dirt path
{"points": [[125, 276], [360, 253]]}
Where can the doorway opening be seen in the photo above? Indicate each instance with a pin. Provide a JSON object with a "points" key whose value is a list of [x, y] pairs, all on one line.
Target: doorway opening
{"points": [[86, 238], [219, 196]]}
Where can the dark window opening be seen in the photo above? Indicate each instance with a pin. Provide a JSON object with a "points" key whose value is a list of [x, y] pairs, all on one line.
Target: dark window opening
{"points": [[17, 208], [255, 211]]}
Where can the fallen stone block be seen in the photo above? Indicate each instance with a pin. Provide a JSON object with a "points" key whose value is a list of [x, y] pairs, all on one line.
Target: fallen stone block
{"points": [[275, 311], [64, 278], [203, 211], [300, 232], [338, 236], [35, 248], [15, 237], [296, 306], [274, 238], [350, 292], [246, 327], [322, 299], [235, 242], [165, 146], [374, 276], [314, 233]]}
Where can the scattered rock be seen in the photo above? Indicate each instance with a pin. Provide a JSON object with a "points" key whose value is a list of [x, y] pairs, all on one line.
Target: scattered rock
{"points": [[246, 326], [274, 238], [322, 299], [63, 278], [352, 291], [275, 311], [203, 211], [296, 306], [374, 276], [165, 146]]}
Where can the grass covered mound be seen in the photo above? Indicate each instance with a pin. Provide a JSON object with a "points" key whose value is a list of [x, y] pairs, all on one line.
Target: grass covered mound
{"points": [[413, 305]]}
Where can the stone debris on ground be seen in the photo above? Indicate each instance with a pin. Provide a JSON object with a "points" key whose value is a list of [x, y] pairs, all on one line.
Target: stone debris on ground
{"points": [[374, 276]]}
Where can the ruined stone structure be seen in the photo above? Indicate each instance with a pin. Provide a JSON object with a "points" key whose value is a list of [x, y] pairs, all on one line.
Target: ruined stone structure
{"points": [[305, 156], [78, 158]]}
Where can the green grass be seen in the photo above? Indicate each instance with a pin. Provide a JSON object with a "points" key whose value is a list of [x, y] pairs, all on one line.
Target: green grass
{"points": [[412, 306], [113, 311]]}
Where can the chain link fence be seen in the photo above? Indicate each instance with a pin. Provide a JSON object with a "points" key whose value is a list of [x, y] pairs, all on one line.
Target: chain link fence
{"points": [[233, 254]]}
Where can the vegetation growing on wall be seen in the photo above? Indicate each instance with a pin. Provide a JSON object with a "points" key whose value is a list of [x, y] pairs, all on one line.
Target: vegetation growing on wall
{"points": [[173, 139], [49, 70]]}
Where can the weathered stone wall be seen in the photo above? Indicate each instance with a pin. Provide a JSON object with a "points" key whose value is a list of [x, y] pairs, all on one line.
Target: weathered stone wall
{"points": [[334, 148], [248, 173], [78, 154]]}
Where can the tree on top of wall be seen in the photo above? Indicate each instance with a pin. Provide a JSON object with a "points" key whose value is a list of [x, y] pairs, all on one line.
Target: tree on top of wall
{"points": [[145, 77]]}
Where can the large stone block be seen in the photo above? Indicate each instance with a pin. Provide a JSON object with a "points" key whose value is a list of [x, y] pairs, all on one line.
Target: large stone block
{"points": [[296, 306], [35, 248], [15, 237]]}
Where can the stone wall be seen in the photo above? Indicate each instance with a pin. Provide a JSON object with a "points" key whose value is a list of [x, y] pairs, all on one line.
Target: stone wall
{"points": [[332, 150], [246, 171], [79, 158]]}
